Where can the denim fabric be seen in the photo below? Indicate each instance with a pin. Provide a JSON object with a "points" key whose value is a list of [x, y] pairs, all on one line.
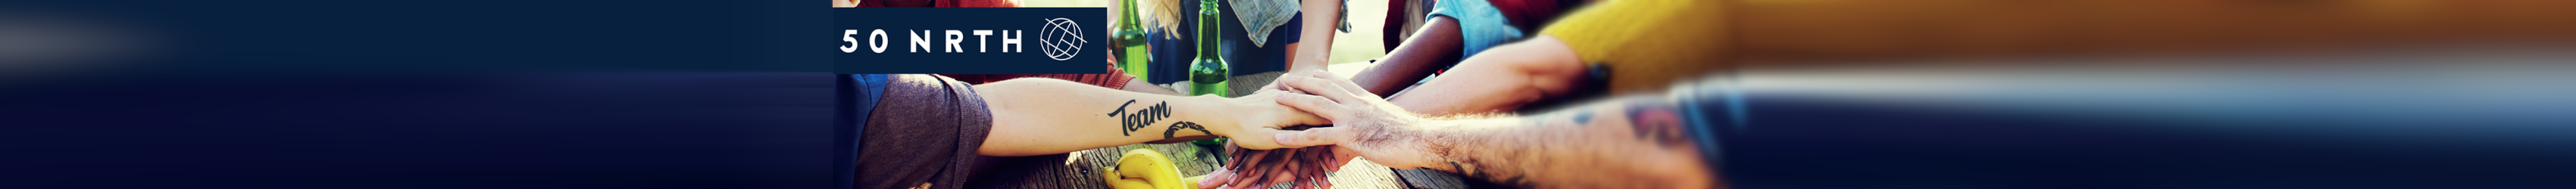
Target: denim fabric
{"points": [[1260, 16], [1263, 16], [1480, 26]]}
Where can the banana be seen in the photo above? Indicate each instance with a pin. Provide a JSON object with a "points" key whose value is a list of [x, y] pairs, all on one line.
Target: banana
{"points": [[1146, 169], [1110, 175], [1129, 184], [1193, 182]]}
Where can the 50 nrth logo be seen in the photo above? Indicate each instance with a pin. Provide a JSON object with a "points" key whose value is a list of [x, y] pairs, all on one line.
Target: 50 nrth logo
{"points": [[877, 44], [1061, 37], [966, 40]]}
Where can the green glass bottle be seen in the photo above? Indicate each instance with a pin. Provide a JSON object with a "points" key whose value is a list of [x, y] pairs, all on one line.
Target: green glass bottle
{"points": [[1208, 73], [1131, 49]]}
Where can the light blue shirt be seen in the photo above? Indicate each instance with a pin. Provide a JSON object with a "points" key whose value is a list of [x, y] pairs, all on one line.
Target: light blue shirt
{"points": [[1480, 25]]}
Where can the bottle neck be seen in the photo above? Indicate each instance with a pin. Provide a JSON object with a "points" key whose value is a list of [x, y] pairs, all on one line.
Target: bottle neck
{"points": [[1127, 15], [1207, 34]]}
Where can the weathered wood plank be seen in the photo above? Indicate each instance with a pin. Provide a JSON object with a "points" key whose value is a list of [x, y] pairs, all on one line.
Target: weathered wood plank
{"points": [[1429, 179], [1081, 170]]}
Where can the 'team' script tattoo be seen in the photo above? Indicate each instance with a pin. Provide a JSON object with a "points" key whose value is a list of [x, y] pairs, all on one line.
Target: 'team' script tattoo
{"points": [[1143, 117]]}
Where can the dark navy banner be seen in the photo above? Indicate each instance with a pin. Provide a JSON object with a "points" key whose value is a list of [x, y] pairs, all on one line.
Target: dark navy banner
{"points": [[970, 40]]}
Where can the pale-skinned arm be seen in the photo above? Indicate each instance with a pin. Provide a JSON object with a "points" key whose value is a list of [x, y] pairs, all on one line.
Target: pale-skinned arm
{"points": [[1038, 116], [1314, 47], [1628, 142]]}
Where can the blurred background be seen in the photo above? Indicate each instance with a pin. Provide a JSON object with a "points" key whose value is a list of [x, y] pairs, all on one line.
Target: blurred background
{"points": [[1358, 45]]}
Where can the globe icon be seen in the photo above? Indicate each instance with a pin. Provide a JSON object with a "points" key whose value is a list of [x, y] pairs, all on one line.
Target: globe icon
{"points": [[1062, 38]]}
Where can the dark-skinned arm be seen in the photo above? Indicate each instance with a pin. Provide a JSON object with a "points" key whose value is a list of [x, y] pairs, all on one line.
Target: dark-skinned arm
{"points": [[1434, 46]]}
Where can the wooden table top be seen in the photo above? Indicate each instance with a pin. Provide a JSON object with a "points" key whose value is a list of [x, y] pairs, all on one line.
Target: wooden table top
{"points": [[1081, 170]]}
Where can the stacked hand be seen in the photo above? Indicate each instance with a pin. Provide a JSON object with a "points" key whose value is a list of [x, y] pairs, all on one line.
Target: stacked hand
{"points": [[1269, 119], [1367, 126], [1305, 167], [1250, 168]]}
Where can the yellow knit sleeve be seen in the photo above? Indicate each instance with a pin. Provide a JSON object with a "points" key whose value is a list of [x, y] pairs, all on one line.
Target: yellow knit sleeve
{"points": [[1649, 44]]}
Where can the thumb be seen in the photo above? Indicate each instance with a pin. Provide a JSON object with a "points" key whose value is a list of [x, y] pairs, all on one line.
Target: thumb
{"points": [[1312, 137]]}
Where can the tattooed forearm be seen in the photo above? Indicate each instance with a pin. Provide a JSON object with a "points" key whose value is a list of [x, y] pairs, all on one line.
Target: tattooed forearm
{"points": [[1121, 108], [1582, 117], [1142, 117], [1507, 165], [1176, 127], [1583, 147], [1657, 122]]}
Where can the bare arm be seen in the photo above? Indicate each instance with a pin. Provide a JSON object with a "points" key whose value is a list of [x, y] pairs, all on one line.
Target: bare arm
{"points": [[1500, 79], [1630, 142], [1435, 46], [1139, 85], [1604, 145], [1037, 116], [1314, 47]]}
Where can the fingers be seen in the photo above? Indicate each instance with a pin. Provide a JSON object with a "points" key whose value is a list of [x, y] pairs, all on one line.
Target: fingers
{"points": [[1277, 84], [1321, 87], [1238, 167], [1307, 168], [1276, 159], [1285, 166], [1304, 118], [1264, 180], [1315, 178], [1304, 183], [1312, 137], [1317, 157], [1289, 174], [1323, 182], [1302, 167], [1261, 139], [1268, 164], [1246, 180], [1317, 105], [1219, 176], [1347, 84], [1274, 85], [1312, 172], [1246, 160], [1307, 172], [1234, 155]]}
